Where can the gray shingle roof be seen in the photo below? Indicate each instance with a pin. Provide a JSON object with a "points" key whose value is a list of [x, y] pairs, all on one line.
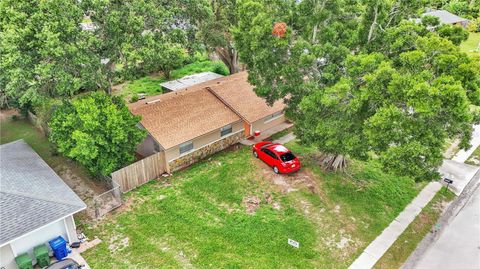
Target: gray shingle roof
{"points": [[31, 193], [444, 16]]}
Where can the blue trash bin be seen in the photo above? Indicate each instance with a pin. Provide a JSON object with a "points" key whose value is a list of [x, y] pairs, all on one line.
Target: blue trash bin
{"points": [[59, 247]]}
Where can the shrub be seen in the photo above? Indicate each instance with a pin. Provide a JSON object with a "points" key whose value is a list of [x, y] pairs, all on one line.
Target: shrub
{"points": [[220, 68], [97, 130], [134, 98]]}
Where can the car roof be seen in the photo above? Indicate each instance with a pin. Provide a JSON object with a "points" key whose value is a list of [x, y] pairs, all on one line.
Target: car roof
{"points": [[278, 148], [62, 264]]}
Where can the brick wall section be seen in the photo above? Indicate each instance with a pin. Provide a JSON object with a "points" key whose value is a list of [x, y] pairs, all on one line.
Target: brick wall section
{"points": [[205, 151]]}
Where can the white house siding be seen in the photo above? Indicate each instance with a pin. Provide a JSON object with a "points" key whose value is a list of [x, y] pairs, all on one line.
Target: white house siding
{"points": [[71, 229], [64, 227], [7, 259]]}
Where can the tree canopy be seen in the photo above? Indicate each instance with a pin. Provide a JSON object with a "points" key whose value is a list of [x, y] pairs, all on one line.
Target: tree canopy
{"points": [[394, 93], [97, 130], [43, 51]]}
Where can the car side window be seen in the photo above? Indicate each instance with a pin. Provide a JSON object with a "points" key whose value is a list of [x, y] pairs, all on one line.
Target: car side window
{"points": [[270, 153]]}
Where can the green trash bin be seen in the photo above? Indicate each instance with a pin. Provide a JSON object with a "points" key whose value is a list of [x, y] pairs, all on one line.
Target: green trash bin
{"points": [[41, 254], [24, 261]]}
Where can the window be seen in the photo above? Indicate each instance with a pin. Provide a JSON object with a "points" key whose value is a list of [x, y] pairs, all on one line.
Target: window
{"points": [[186, 147], [287, 157], [273, 116], [227, 129], [270, 153]]}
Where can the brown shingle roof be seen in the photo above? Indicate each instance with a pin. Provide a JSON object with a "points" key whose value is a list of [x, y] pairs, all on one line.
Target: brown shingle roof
{"points": [[177, 117], [239, 95]]}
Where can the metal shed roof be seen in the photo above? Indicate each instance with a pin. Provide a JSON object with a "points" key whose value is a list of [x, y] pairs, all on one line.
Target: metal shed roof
{"points": [[187, 81]]}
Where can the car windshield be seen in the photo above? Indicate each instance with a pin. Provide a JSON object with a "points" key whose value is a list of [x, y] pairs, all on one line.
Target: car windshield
{"points": [[287, 157]]}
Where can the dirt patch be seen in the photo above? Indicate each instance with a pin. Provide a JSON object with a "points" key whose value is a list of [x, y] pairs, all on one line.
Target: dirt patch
{"points": [[6, 114], [117, 243], [285, 183], [83, 187], [252, 203]]}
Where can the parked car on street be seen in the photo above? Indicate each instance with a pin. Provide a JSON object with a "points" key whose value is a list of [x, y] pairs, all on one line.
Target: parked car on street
{"points": [[277, 156]]}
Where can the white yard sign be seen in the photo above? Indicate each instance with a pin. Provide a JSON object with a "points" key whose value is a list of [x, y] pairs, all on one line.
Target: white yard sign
{"points": [[293, 243]]}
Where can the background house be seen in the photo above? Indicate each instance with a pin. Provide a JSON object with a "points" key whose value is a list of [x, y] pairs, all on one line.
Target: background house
{"points": [[446, 17], [192, 123], [35, 204]]}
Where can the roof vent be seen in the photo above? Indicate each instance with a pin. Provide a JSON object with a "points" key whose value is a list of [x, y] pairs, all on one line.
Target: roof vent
{"points": [[152, 102]]}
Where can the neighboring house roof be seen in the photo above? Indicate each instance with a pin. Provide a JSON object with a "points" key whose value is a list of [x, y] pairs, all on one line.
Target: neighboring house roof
{"points": [[240, 96], [188, 81], [32, 195], [176, 117], [444, 16]]}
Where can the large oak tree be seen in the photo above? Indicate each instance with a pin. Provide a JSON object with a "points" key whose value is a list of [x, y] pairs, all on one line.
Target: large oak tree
{"points": [[395, 95]]}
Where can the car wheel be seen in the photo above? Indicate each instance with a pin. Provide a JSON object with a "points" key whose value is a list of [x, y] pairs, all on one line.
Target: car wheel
{"points": [[255, 154], [275, 169]]}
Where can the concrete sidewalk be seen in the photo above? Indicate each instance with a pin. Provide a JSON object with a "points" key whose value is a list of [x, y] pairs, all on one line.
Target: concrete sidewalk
{"points": [[455, 169], [463, 155], [382, 243], [458, 246]]}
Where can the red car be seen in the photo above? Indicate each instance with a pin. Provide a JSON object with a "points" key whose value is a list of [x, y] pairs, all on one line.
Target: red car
{"points": [[276, 156]]}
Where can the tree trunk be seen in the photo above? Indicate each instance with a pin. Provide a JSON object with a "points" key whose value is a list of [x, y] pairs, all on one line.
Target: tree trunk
{"points": [[372, 26], [332, 162], [110, 75], [229, 57]]}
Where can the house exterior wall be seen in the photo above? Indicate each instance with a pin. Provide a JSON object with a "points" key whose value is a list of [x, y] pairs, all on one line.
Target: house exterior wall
{"points": [[261, 125], [201, 141], [71, 229], [7, 259], [200, 153], [148, 147], [64, 227]]}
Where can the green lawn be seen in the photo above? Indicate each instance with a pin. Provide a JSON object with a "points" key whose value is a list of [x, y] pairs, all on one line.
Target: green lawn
{"points": [[198, 217], [407, 242], [150, 85], [470, 46], [475, 156]]}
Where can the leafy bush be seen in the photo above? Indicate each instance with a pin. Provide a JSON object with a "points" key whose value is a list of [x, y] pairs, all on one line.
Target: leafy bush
{"points": [[220, 68], [134, 98], [97, 130]]}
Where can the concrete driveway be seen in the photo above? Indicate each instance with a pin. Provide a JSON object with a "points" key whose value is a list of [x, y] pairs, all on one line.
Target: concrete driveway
{"points": [[459, 244], [460, 173]]}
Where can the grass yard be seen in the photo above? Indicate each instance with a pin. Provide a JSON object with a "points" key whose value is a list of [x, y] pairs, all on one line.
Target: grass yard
{"points": [[150, 85], [471, 44], [399, 252], [232, 211], [475, 157]]}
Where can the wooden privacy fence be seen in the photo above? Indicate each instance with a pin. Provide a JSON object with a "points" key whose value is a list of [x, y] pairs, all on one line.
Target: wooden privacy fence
{"points": [[140, 172]]}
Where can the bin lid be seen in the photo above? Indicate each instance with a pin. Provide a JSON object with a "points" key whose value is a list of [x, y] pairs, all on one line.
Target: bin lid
{"points": [[57, 243], [23, 259], [39, 250]]}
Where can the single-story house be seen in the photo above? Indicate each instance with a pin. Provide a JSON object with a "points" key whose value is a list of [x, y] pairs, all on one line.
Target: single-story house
{"points": [[36, 206], [238, 95], [192, 123], [446, 17], [188, 81]]}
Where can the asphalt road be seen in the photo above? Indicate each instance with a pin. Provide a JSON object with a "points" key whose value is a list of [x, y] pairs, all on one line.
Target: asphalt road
{"points": [[458, 246]]}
